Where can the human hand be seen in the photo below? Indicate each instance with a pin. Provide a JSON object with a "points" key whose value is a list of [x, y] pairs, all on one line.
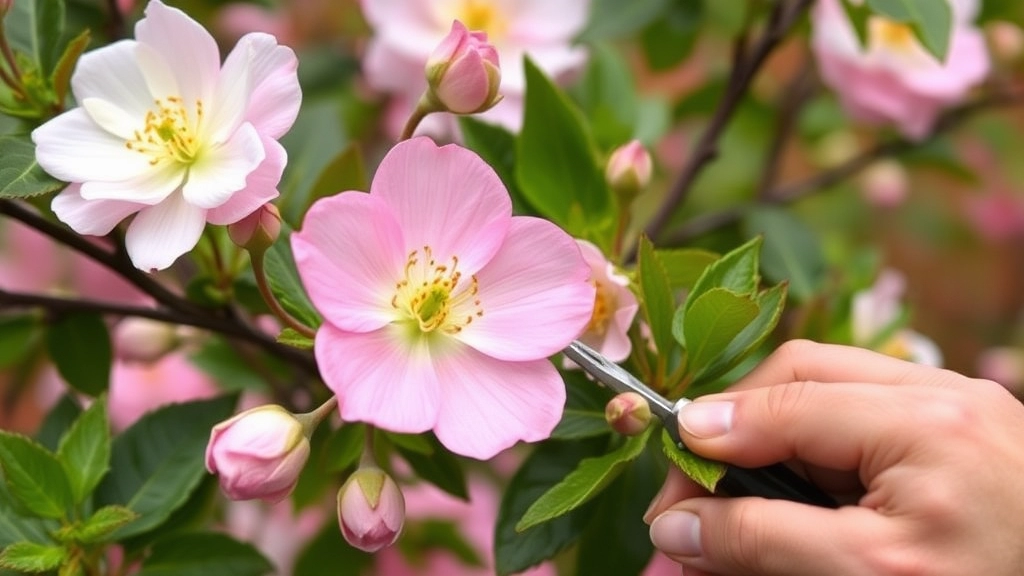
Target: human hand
{"points": [[932, 463]]}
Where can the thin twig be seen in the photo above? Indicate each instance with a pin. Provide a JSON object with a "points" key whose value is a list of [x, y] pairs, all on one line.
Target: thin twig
{"points": [[794, 96]]}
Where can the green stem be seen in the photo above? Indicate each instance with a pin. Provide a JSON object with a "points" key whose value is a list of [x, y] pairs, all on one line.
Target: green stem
{"points": [[310, 420], [268, 296], [423, 107]]}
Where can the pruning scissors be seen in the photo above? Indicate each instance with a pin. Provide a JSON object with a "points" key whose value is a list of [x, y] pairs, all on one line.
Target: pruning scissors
{"points": [[773, 481]]}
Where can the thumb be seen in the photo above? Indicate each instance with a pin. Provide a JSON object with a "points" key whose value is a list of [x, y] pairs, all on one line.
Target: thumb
{"points": [[761, 536]]}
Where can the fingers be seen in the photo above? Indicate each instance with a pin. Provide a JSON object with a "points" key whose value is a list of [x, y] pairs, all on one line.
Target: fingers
{"points": [[677, 487], [758, 536]]}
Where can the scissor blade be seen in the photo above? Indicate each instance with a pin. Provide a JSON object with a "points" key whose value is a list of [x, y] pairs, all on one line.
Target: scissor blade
{"points": [[617, 378]]}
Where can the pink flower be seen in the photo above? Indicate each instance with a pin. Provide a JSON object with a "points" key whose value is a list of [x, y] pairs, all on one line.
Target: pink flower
{"points": [[258, 453], [877, 310], [277, 530], [894, 79], [371, 509], [440, 308], [167, 134], [406, 32], [885, 183], [615, 306], [137, 388], [463, 72], [629, 169]]}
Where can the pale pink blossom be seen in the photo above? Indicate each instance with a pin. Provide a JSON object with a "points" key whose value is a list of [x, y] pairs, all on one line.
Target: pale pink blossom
{"points": [[407, 31], [894, 79], [166, 134], [885, 183], [140, 387], [440, 308], [371, 509], [463, 72], [876, 312], [615, 307], [258, 453]]}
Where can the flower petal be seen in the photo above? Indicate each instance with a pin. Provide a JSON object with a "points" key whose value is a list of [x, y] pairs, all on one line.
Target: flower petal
{"points": [[71, 147], [260, 187], [535, 294], [112, 74], [222, 170], [380, 377], [231, 97], [161, 233], [275, 92], [93, 217], [447, 198], [149, 188], [488, 404], [190, 51], [349, 255]]}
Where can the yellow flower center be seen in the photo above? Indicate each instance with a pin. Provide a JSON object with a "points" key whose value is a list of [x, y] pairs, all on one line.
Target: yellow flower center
{"points": [[436, 296], [898, 346], [893, 35], [482, 15], [169, 132], [604, 304]]}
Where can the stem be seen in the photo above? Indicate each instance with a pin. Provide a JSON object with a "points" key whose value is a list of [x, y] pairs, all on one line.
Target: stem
{"points": [[423, 107], [290, 321], [310, 420]]}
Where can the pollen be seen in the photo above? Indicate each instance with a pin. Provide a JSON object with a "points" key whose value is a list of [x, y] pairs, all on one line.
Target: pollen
{"points": [[169, 132], [604, 304], [434, 295]]}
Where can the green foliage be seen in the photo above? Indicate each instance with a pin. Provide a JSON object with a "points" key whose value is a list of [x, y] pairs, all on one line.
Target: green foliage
{"points": [[17, 334], [32, 557], [668, 40], [583, 416], [657, 301], [35, 477], [438, 466], [930, 20], [705, 472], [84, 451], [98, 526], [792, 251], [79, 345], [202, 554], [711, 323], [20, 174], [285, 283]]}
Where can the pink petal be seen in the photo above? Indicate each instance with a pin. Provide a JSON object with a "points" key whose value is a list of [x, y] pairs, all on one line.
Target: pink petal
{"points": [[71, 147], [160, 234], [93, 217], [446, 198], [190, 50], [966, 65], [535, 294], [112, 74], [260, 187], [222, 170], [380, 377], [488, 404], [276, 95], [350, 255]]}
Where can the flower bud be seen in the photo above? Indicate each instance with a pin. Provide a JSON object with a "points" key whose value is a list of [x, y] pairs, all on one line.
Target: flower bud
{"points": [[257, 231], [463, 74], [144, 340], [258, 453], [629, 169], [885, 183], [371, 509], [628, 413]]}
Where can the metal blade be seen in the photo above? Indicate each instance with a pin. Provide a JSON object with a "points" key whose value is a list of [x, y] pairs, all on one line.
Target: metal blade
{"points": [[617, 378]]}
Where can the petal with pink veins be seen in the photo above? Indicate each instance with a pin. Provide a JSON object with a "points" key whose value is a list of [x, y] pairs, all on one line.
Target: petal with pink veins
{"points": [[349, 255], [488, 405], [160, 234], [380, 377], [93, 217]]}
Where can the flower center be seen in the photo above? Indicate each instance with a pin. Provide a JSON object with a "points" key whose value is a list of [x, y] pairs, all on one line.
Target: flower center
{"points": [[169, 133], [482, 15], [604, 301], [435, 296], [893, 35]]}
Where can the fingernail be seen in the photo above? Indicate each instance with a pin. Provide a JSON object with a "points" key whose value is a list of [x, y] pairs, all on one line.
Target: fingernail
{"points": [[706, 419], [677, 533]]}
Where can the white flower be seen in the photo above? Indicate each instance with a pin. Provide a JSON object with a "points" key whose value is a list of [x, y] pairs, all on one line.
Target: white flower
{"points": [[166, 133]]}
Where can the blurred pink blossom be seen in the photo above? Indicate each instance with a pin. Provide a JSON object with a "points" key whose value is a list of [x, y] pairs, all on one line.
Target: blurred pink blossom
{"points": [[885, 183], [875, 315], [894, 79], [407, 31], [276, 530], [997, 215], [137, 388]]}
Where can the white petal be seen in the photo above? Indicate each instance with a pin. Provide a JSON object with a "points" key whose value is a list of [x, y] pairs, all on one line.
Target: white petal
{"points": [[260, 187], [188, 49], [276, 94], [111, 117], [112, 73], [73, 148], [222, 170], [232, 94], [161, 233], [148, 188], [160, 79], [93, 217]]}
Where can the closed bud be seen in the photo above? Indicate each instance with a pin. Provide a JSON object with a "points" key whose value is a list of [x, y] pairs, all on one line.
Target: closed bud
{"points": [[258, 453], [371, 509], [144, 340], [463, 73], [629, 170], [257, 231], [628, 413]]}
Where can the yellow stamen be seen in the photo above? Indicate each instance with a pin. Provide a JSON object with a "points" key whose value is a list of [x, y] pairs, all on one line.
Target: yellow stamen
{"points": [[429, 292], [169, 132], [482, 15], [604, 304]]}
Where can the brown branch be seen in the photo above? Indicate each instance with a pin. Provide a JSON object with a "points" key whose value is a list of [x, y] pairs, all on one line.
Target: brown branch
{"points": [[797, 92]]}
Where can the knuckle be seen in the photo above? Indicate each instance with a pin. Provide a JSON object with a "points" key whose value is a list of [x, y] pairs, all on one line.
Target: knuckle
{"points": [[950, 414], [783, 401]]}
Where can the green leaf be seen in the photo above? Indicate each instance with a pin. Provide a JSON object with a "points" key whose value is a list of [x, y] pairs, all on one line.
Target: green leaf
{"points": [[515, 551], [583, 415], [159, 461], [20, 174], [792, 251], [85, 450], [668, 40], [345, 172], [202, 554], [61, 77], [613, 19], [344, 446], [284, 282], [422, 538], [17, 335], [32, 557], [329, 555], [292, 337], [607, 95], [35, 476], [227, 366], [685, 265], [316, 138], [16, 525], [735, 271], [705, 472], [711, 324], [497, 147], [58, 421], [100, 525], [440, 468], [770, 304], [858, 15], [576, 424], [583, 483], [657, 301], [557, 168], [931, 20], [49, 30], [79, 345]]}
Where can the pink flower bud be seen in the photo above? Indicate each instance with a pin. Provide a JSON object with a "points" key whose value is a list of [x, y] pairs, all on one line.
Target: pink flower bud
{"points": [[258, 453], [144, 340], [257, 231], [371, 509], [629, 169], [628, 413], [463, 73], [885, 183]]}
